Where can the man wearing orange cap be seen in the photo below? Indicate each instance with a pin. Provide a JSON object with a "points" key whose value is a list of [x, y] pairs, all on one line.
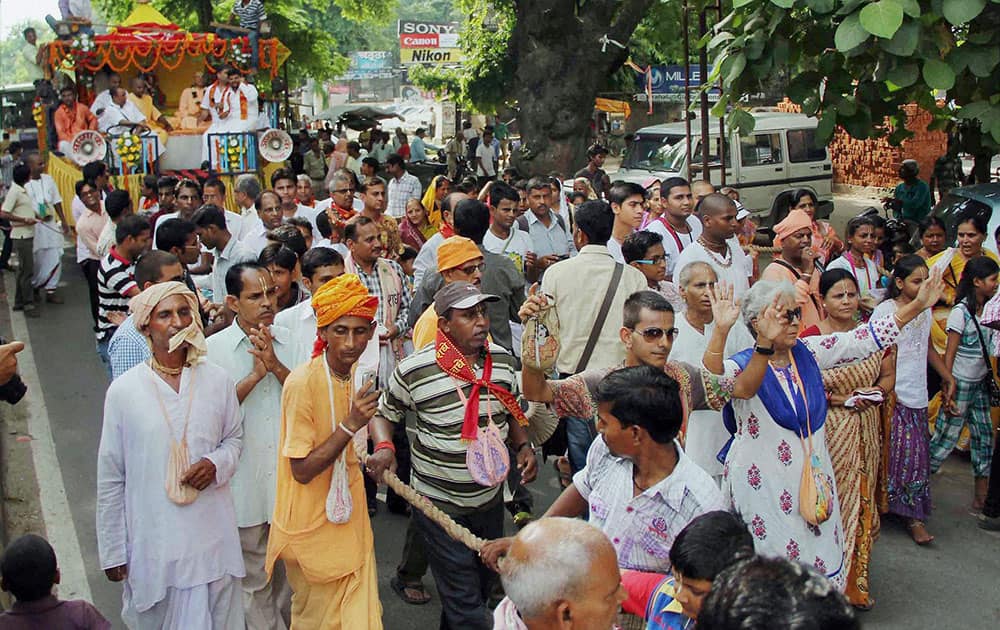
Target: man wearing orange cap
{"points": [[797, 264], [459, 260], [165, 525], [320, 527]]}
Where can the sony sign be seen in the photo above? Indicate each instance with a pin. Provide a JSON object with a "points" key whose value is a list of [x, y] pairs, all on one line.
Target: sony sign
{"points": [[407, 27]]}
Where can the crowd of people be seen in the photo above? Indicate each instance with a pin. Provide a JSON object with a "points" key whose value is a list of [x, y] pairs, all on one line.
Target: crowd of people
{"points": [[717, 421]]}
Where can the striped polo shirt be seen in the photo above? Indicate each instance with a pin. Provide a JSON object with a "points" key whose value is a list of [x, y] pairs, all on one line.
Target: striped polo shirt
{"points": [[250, 14], [438, 453], [114, 280]]}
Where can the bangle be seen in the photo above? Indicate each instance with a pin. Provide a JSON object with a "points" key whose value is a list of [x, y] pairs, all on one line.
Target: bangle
{"points": [[346, 430], [712, 352], [763, 351], [386, 444]]}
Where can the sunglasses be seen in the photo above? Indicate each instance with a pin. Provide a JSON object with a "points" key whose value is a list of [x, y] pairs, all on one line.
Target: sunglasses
{"points": [[471, 269], [652, 260], [652, 334]]}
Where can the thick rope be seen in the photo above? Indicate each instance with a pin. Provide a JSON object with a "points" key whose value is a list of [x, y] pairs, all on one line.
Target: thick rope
{"points": [[417, 500], [422, 503]]}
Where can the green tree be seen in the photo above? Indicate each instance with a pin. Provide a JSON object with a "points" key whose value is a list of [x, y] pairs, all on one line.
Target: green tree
{"points": [[854, 63], [307, 27], [545, 58]]}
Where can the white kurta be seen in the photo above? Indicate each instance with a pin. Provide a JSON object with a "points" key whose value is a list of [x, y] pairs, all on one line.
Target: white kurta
{"points": [[706, 435], [764, 465], [49, 243], [252, 120], [214, 96], [167, 546], [254, 484]]}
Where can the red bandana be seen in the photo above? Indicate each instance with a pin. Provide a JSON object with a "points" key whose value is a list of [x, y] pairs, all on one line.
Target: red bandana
{"points": [[446, 230], [452, 361], [339, 216]]}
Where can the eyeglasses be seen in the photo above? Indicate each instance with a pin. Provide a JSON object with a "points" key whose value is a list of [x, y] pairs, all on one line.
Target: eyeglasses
{"points": [[652, 334], [471, 269], [344, 191], [793, 314], [652, 260]]}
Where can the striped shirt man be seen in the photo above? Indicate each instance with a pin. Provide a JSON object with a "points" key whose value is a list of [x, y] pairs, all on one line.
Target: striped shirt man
{"points": [[115, 279], [250, 13], [438, 453]]}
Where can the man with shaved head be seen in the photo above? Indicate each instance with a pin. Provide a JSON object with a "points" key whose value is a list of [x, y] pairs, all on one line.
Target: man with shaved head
{"points": [[717, 244], [559, 573]]}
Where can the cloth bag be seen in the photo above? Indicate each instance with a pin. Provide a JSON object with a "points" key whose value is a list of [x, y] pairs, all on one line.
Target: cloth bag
{"points": [[815, 488], [540, 340], [487, 458], [178, 462]]}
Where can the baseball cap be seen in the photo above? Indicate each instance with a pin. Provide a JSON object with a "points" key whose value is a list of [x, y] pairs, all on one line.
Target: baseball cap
{"points": [[460, 295], [741, 211]]}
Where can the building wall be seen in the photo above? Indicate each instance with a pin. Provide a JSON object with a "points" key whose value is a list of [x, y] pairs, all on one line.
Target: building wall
{"points": [[874, 163]]}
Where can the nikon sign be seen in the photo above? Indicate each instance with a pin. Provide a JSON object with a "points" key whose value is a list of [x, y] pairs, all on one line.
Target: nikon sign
{"points": [[429, 43]]}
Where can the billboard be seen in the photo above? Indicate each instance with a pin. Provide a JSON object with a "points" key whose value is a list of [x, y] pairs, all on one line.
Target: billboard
{"points": [[668, 83], [370, 60], [429, 42]]}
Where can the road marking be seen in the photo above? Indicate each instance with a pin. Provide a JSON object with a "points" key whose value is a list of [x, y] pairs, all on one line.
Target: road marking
{"points": [[59, 527]]}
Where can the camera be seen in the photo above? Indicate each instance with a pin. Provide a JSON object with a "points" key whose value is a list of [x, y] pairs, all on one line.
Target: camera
{"points": [[13, 390]]}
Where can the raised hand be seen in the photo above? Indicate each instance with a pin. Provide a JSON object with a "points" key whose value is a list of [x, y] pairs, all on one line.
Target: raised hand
{"points": [[930, 291], [532, 306], [771, 322], [725, 310]]}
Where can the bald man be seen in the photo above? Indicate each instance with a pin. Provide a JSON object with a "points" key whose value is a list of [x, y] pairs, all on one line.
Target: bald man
{"points": [[718, 245], [559, 573], [427, 258], [701, 189]]}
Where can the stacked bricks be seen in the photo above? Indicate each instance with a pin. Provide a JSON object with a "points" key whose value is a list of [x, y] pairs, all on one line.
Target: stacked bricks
{"points": [[875, 163]]}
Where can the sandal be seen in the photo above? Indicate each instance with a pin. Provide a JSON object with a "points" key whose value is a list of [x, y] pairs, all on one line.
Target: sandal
{"points": [[405, 591], [865, 607], [918, 532]]}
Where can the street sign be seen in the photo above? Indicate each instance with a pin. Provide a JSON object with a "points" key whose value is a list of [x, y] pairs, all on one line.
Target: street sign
{"points": [[429, 42]]}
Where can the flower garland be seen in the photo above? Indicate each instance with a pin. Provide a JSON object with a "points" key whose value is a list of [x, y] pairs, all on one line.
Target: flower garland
{"points": [[129, 149], [93, 55]]}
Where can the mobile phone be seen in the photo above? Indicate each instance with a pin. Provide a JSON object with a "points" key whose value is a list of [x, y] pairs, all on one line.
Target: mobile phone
{"points": [[367, 377]]}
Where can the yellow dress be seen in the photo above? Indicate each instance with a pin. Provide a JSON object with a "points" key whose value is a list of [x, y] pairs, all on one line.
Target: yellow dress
{"points": [[330, 566]]}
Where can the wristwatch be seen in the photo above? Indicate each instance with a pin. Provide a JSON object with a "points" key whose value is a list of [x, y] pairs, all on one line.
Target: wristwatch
{"points": [[764, 351]]}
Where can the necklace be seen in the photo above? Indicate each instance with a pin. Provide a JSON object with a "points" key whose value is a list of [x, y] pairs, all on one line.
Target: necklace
{"points": [[159, 367], [637, 486], [723, 261]]}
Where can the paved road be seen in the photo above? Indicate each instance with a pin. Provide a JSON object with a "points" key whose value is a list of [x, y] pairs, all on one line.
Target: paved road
{"points": [[953, 583]]}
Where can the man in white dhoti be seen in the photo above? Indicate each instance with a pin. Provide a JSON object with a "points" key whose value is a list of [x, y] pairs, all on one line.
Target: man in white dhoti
{"points": [[216, 106], [254, 353], [171, 441], [103, 98], [122, 116], [49, 242]]}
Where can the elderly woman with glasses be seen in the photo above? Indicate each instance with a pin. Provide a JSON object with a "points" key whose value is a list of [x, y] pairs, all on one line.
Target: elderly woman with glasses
{"points": [[778, 471]]}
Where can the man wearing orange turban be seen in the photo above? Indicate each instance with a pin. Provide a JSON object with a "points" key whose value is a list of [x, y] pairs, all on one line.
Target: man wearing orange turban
{"points": [[320, 527], [797, 264], [458, 260]]}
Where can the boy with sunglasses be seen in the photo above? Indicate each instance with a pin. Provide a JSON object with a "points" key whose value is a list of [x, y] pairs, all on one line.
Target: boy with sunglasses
{"points": [[647, 335]]}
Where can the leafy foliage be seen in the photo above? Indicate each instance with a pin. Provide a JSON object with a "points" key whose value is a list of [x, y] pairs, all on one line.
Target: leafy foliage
{"points": [[854, 63]]}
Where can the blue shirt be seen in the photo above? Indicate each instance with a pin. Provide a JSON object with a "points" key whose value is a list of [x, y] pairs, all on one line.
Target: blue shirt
{"points": [[127, 349], [418, 152]]}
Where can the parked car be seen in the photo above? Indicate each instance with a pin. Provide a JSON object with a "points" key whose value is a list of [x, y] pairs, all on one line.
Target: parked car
{"points": [[778, 157], [984, 198]]}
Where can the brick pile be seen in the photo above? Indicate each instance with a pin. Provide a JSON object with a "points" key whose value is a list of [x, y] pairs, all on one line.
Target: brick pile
{"points": [[875, 163]]}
